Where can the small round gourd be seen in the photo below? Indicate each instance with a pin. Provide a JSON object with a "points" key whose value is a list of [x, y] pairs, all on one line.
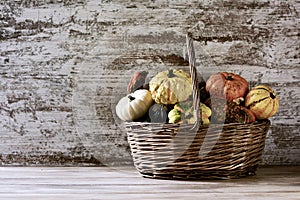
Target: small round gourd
{"points": [[134, 105], [170, 86], [227, 85], [262, 101], [227, 112], [158, 113]]}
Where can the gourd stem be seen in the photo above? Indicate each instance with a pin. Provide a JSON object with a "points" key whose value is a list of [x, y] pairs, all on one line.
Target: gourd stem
{"points": [[171, 74], [272, 95], [131, 98], [229, 78]]}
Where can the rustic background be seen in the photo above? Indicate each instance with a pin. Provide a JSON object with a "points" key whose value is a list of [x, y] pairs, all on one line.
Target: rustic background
{"points": [[65, 63]]}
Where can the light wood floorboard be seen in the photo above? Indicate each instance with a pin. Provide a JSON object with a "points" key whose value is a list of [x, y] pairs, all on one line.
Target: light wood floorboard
{"points": [[280, 182]]}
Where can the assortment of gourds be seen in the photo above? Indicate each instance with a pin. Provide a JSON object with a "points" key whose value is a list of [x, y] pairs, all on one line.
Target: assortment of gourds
{"points": [[167, 98]]}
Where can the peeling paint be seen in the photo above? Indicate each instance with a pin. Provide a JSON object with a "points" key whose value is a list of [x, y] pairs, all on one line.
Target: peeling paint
{"points": [[65, 63]]}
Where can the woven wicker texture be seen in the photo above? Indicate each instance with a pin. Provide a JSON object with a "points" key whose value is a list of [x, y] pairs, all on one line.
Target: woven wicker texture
{"points": [[195, 151], [176, 152]]}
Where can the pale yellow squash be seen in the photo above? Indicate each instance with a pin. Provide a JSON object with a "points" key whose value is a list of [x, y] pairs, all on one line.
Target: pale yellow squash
{"points": [[262, 101], [170, 86]]}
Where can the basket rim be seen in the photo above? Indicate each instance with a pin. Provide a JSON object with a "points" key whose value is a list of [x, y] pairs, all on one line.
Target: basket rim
{"points": [[264, 121]]}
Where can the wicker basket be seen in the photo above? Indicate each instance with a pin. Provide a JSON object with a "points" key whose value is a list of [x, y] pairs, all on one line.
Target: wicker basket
{"points": [[195, 151]]}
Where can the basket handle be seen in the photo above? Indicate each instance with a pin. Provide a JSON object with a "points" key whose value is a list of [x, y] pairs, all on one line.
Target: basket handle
{"points": [[195, 84]]}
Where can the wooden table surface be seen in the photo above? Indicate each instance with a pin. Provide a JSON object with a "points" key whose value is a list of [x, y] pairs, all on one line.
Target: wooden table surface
{"points": [[277, 182]]}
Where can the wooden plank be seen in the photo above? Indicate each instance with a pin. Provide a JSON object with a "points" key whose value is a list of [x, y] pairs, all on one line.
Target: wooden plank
{"points": [[64, 64], [126, 183]]}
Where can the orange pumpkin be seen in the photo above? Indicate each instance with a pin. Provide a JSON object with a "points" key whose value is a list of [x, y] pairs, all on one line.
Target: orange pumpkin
{"points": [[227, 85], [262, 101]]}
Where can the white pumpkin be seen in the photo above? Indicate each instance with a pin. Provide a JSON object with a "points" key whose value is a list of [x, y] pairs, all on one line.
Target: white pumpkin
{"points": [[134, 105]]}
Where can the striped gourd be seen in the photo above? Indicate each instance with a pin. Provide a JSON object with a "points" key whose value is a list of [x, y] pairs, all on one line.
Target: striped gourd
{"points": [[262, 101], [170, 87]]}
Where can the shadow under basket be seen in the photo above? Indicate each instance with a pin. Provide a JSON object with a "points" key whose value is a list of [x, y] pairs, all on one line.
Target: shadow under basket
{"points": [[217, 151]]}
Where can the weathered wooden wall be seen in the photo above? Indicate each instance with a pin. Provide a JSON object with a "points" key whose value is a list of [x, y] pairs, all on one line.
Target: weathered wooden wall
{"points": [[65, 63]]}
